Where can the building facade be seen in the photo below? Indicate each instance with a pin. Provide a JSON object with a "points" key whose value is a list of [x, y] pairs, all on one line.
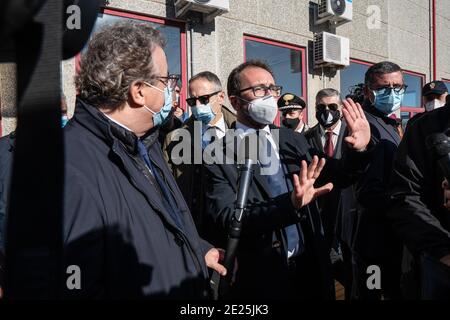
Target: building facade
{"points": [[412, 33]]}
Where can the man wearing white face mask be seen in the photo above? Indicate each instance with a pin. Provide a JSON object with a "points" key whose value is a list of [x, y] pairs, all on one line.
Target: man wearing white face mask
{"points": [[126, 224], [434, 95], [211, 119], [281, 253]]}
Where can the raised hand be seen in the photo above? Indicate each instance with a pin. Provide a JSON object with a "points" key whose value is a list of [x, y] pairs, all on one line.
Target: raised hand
{"points": [[304, 191], [359, 128]]}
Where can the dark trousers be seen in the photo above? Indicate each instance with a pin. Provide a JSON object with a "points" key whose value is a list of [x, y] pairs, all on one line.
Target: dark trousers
{"points": [[435, 279]]}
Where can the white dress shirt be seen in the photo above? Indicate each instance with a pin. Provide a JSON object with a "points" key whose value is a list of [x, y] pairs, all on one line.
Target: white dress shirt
{"points": [[336, 132]]}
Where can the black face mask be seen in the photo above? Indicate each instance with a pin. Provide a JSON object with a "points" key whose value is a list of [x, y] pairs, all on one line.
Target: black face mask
{"points": [[327, 118], [291, 123]]}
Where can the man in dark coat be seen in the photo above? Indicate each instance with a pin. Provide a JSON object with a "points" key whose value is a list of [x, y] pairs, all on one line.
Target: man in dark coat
{"points": [[375, 243], [338, 207], [210, 120], [127, 227], [417, 213], [281, 252]]}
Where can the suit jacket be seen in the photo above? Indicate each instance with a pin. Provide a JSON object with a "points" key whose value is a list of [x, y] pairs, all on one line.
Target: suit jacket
{"points": [[337, 207], [189, 176], [374, 237], [263, 268]]}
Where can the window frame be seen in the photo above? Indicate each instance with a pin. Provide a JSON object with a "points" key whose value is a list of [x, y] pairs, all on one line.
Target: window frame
{"points": [[414, 110], [163, 21], [281, 44]]}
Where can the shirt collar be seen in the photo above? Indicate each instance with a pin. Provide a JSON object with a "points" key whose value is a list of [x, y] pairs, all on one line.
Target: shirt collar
{"points": [[219, 125], [117, 122]]}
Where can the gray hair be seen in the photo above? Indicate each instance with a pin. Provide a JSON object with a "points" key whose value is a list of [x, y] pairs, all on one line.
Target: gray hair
{"points": [[210, 77], [328, 92], [117, 55]]}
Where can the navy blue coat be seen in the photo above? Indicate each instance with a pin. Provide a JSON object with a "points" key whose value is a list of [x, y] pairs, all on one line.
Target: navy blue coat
{"points": [[116, 228]]}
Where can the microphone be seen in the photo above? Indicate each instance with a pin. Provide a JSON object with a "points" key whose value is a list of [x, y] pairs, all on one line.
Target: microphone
{"points": [[220, 286], [439, 144], [245, 175]]}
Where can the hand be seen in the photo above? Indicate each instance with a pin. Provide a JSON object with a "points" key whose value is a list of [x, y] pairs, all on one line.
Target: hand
{"points": [[446, 260], [359, 128], [446, 188], [304, 191], [212, 258], [178, 112]]}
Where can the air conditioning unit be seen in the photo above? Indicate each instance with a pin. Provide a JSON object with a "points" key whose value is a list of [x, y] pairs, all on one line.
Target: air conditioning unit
{"points": [[331, 50], [209, 8], [337, 11]]}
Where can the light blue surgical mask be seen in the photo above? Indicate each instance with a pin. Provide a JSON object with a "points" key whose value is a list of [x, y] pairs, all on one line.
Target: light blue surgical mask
{"points": [[203, 113], [160, 117], [387, 100], [64, 120]]}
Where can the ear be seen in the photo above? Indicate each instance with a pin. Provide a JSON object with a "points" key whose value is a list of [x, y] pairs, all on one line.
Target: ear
{"points": [[235, 102], [368, 94], [136, 93], [221, 97]]}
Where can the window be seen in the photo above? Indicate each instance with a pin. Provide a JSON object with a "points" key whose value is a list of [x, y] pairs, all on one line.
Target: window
{"points": [[288, 63], [174, 34], [353, 75], [412, 101]]}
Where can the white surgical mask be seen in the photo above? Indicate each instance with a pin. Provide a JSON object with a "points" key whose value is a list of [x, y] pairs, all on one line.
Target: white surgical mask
{"points": [[435, 104], [262, 110]]}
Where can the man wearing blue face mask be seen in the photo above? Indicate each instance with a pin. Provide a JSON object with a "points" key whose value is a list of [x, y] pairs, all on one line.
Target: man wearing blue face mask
{"points": [[126, 224], [375, 242], [209, 121]]}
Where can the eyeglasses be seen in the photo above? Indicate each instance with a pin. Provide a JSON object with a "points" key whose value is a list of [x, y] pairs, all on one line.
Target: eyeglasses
{"points": [[261, 91], [387, 89], [170, 81], [192, 102], [331, 106]]}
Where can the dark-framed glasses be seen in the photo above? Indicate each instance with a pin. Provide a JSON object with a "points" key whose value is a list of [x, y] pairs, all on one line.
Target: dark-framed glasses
{"points": [[170, 81], [262, 91], [331, 106], [387, 90], [204, 99]]}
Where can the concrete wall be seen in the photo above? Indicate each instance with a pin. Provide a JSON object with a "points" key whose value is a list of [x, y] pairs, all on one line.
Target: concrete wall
{"points": [[400, 33]]}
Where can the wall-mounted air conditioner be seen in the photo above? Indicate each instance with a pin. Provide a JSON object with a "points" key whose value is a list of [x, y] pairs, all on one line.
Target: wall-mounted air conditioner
{"points": [[331, 50], [337, 11], [209, 8]]}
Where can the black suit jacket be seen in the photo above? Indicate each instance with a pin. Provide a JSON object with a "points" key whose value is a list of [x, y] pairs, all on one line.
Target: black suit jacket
{"points": [[374, 239], [263, 269], [337, 207]]}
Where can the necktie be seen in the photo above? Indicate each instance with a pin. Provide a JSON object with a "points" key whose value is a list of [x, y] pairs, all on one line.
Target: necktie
{"points": [[168, 199], [278, 185], [329, 148]]}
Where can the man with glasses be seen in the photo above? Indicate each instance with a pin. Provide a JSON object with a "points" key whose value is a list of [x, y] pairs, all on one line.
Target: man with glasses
{"points": [[281, 254], [337, 207], [375, 242], [209, 121], [126, 225]]}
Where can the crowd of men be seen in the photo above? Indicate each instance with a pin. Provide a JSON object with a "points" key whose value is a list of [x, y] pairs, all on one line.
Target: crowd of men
{"points": [[150, 193]]}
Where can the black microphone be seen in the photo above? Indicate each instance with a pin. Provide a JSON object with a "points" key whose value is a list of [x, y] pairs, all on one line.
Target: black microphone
{"points": [[439, 144], [221, 286]]}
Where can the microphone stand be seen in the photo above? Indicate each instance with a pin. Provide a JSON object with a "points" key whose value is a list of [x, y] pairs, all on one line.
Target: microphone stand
{"points": [[221, 285]]}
